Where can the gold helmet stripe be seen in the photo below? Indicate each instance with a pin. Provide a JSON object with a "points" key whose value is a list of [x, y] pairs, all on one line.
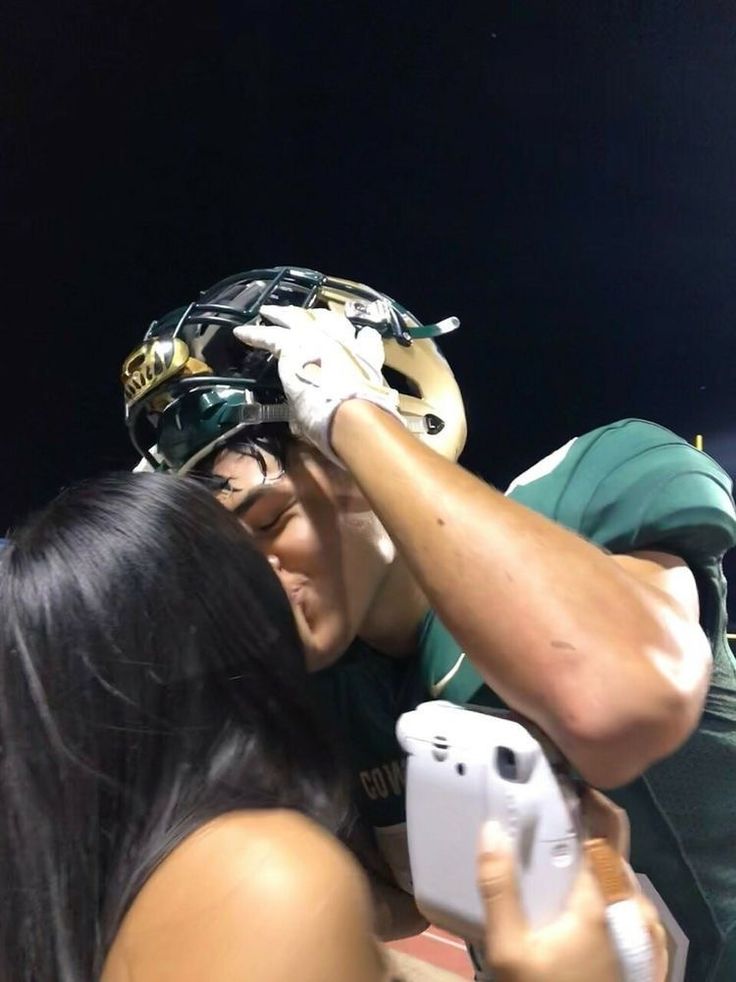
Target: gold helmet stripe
{"points": [[154, 362]]}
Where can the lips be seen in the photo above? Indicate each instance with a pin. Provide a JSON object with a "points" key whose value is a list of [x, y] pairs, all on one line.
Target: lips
{"points": [[297, 594]]}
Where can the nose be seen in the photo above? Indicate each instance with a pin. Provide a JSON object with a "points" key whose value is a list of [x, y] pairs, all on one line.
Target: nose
{"points": [[289, 581], [275, 564]]}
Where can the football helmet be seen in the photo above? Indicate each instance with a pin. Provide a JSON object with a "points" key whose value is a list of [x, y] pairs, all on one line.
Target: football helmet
{"points": [[191, 384]]}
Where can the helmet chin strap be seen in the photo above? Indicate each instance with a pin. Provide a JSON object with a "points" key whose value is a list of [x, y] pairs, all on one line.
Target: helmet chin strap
{"points": [[151, 459], [280, 413], [256, 413]]}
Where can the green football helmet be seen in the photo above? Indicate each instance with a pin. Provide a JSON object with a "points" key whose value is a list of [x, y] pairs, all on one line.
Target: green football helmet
{"points": [[191, 385]]}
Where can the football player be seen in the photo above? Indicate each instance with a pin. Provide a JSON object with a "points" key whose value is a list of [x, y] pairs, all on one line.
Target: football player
{"points": [[589, 598]]}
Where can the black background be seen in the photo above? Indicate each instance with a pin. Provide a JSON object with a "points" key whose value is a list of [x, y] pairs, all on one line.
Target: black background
{"points": [[559, 175]]}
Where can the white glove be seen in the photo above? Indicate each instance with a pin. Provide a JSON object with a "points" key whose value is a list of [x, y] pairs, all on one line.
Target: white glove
{"points": [[322, 363]]}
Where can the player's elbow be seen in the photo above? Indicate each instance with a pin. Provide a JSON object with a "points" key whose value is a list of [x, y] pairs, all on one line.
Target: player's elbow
{"points": [[607, 761], [612, 762], [612, 741]]}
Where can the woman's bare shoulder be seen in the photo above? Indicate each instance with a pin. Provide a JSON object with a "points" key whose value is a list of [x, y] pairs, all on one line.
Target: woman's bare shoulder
{"points": [[270, 892]]}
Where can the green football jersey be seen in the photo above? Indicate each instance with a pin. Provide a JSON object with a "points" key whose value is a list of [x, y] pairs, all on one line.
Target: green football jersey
{"points": [[628, 486]]}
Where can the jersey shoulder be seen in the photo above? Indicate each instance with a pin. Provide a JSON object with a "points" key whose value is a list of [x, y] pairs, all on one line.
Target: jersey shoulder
{"points": [[257, 895], [635, 485]]}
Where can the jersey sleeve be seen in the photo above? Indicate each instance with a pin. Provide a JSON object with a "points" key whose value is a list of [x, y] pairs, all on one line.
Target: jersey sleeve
{"points": [[645, 488]]}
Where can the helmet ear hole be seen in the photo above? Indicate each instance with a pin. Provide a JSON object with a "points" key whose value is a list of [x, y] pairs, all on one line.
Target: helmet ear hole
{"points": [[397, 380]]}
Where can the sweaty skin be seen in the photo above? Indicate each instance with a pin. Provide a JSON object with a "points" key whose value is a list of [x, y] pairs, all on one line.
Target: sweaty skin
{"points": [[628, 686]]}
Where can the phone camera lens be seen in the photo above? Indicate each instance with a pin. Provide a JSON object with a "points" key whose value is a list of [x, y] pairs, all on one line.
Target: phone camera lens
{"points": [[506, 764]]}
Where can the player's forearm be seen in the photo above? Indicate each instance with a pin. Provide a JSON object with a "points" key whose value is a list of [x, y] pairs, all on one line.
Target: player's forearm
{"points": [[560, 630]]}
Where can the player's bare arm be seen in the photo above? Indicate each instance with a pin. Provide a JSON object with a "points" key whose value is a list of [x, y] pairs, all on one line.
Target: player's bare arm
{"points": [[604, 652]]}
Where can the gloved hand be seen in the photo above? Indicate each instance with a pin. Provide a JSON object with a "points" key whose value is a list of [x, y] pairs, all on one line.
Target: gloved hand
{"points": [[322, 363]]}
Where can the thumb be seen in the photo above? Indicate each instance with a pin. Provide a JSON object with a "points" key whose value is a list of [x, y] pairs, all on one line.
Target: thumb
{"points": [[506, 924], [369, 346]]}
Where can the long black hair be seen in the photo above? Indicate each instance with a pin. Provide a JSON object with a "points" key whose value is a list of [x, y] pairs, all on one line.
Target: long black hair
{"points": [[151, 678]]}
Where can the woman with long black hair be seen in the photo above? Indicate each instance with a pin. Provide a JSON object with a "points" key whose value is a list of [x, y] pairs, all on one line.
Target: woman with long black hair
{"points": [[153, 708], [166, 792]]}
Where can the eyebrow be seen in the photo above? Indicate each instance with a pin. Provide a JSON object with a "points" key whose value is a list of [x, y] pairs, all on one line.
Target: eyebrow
{"points": [[249, 500]]}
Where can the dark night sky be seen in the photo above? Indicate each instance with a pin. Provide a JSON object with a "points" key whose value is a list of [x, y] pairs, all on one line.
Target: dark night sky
{"points": [[560, 175]]}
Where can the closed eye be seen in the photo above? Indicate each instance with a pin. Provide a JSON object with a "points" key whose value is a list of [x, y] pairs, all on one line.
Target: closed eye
{"points": [[270, 526], [274, 522]]}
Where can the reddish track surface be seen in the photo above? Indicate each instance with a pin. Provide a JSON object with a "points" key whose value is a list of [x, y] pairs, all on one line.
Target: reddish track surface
{"points": [[438, 948]]}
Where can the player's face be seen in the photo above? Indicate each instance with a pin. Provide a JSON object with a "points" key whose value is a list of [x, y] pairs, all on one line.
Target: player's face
{"points": [[326, 546]]}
